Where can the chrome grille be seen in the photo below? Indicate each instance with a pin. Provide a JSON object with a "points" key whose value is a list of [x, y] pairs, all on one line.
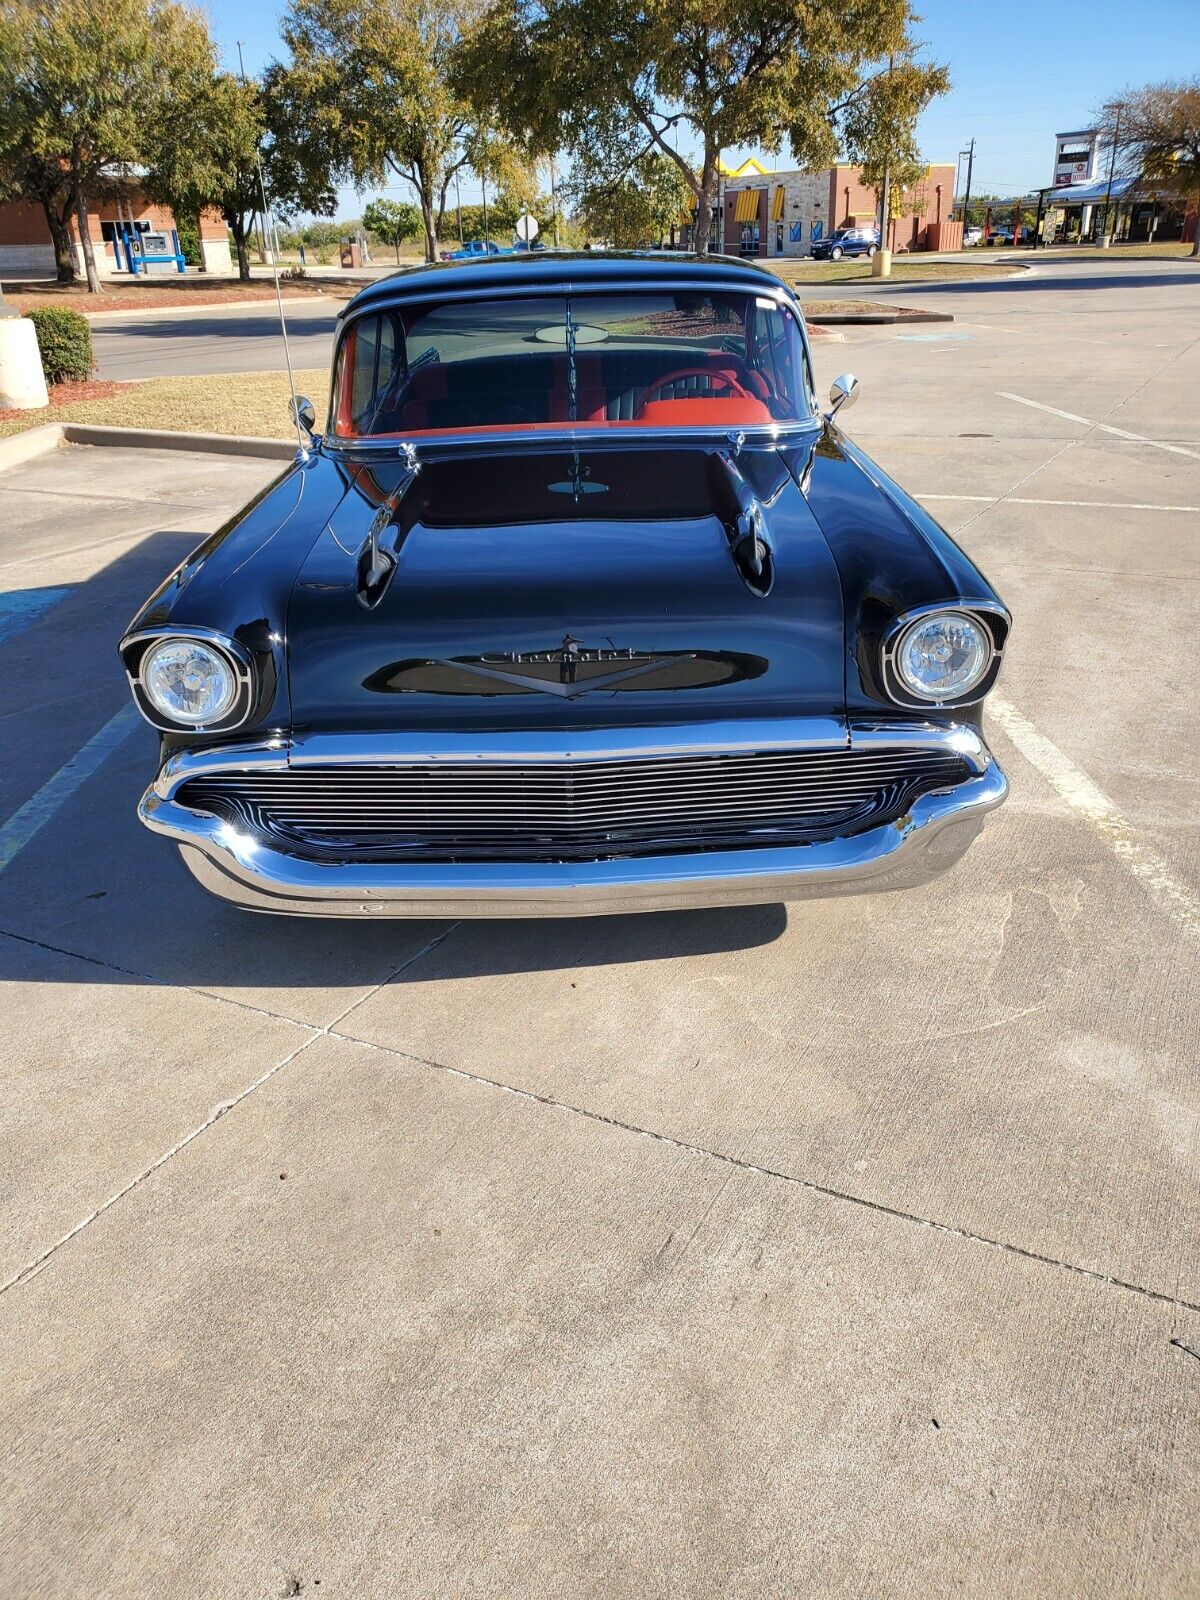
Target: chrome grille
{"points": [[573, 809]]}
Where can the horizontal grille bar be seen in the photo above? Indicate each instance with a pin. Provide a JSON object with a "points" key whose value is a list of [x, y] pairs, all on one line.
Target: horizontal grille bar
{"points": [[572, 809]]}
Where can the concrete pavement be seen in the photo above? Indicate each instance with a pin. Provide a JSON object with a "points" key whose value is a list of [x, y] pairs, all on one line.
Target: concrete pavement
{"points": [[848, 1248]]}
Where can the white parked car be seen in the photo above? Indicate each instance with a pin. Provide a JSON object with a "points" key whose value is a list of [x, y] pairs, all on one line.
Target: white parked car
{"points": [[972, 236]]}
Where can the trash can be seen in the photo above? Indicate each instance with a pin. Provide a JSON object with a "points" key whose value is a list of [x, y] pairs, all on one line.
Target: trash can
{"points": [[351, 254]]}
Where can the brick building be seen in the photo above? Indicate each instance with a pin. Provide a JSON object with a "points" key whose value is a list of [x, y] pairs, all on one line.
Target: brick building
{"points": [[781, 213], [26, 247]]}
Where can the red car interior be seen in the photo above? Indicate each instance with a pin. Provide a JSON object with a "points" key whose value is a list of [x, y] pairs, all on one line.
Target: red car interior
{"points": [[622, 387]]}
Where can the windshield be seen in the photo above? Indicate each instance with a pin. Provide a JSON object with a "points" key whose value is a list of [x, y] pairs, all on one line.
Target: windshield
{"points": [[677, 359]]}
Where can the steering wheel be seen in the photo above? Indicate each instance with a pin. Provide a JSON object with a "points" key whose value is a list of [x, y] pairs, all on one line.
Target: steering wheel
{"points": [[722, 381]]}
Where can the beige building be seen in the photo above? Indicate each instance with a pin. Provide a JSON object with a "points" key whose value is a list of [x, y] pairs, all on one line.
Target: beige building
{"points": [[764, 213]]}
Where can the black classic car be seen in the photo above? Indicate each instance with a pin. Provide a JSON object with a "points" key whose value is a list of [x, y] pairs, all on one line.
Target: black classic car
{"points": [[578, 604]]}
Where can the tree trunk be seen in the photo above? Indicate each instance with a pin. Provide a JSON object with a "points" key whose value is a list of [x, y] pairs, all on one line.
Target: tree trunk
{"points": [[238, 229], [85, 239], [430, 222], [60, 232], [396, 243], [704, 204]]}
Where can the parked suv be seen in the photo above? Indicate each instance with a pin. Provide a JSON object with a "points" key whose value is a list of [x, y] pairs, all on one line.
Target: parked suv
{"points": [[847, 242]]}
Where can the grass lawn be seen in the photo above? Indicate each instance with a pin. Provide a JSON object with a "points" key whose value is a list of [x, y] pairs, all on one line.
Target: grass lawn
{"points": [[858, 270], [254, 403], [152, 294], [1118, 252]]}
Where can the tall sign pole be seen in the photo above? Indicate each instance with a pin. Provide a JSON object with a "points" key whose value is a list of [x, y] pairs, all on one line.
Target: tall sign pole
{"points": [[1106, 238]]}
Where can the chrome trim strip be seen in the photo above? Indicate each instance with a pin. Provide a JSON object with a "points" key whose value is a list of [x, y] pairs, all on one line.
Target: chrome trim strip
{"points": [[901, 854]]}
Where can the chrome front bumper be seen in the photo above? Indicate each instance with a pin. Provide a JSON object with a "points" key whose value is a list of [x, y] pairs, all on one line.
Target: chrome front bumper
{"points": [[255, 874]]}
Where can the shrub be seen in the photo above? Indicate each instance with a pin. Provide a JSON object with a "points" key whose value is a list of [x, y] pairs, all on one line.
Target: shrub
{"points": [[64, 342], [189, 242]]}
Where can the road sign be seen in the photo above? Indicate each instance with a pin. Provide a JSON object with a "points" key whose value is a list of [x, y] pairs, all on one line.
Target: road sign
{"points": [[527, 228]]}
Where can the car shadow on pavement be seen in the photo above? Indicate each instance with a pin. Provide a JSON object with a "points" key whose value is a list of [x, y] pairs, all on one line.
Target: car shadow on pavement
{"points": [[91, 882]]}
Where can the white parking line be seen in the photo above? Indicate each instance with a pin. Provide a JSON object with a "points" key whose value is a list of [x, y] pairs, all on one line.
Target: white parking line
{"points": [[1094, 806], [1096, 505], [56, 791], [1104, 427]]}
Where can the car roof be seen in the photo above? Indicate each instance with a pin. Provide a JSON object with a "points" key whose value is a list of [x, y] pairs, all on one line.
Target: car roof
{"points": [[558, 270]]}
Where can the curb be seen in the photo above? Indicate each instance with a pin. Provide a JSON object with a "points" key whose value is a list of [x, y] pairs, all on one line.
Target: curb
{"points": [[868, 318], [39, 441]]}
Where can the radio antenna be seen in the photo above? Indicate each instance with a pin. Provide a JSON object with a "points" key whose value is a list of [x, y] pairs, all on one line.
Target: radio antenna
{"points": [[273, 244]]}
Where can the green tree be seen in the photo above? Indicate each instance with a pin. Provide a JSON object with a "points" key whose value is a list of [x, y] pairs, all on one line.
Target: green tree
{"points": [[879, 130], [634, 208], [97, 85], [618, 78], [392, 222], [373, 76], [1158, 139], [235, 128]]}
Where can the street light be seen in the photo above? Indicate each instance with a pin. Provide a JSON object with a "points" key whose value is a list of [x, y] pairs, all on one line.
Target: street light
{"points": [[1118, 106]]}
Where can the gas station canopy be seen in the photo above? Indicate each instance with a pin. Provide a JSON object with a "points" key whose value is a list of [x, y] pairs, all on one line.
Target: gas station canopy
{"points": [[1092, 194]]}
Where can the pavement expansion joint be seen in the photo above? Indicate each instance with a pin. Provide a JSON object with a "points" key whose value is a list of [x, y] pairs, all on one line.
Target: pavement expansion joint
{"points": [[31, 1268], [897, 1213]]}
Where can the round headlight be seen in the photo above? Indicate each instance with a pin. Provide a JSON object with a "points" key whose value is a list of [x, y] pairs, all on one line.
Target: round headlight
{"points": [[188, 682], [943, 656]]}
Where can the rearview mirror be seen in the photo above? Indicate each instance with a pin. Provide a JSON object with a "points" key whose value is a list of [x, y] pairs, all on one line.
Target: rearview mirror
{"points": [[842, 392], [305, 414]]}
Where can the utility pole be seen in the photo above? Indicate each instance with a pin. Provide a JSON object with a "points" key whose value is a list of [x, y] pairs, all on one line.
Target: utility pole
{"points": [[1105, 236], [256, 215], [881, 264], [554, 199], [483, 182], [969, 152]]}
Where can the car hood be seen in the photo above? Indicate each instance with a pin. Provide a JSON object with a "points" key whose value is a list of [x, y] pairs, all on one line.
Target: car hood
{"points": [[566, 589]]}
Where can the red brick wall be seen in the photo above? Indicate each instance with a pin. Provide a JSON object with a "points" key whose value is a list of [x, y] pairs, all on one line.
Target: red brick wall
{"points": [[850, 201], [23, 224]]}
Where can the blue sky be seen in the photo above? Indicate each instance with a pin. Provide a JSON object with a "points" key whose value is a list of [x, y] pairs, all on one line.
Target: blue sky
{"points": [[1022, 72]]}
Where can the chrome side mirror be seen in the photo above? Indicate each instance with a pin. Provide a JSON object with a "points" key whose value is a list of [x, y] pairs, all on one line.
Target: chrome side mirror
{"points": [[842, 392], [305, 413]]}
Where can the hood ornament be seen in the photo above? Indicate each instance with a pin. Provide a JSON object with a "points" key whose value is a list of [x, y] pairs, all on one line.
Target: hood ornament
{"points": [[579, 483], [375, 564]]}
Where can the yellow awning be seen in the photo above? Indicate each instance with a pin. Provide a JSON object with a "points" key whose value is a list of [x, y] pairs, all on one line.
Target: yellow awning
{"points": [[777, 205], [745, 205]]}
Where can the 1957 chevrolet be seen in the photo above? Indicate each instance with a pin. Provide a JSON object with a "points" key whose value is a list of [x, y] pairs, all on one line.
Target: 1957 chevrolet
{"points": [[578, 604]]}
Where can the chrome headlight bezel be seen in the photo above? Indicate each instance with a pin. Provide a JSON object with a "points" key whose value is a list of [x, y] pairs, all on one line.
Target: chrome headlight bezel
{"points": [[135, 648], [988, 617]]}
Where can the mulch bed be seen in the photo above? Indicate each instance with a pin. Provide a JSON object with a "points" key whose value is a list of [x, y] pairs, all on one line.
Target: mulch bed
{"points": [[70, 394]]}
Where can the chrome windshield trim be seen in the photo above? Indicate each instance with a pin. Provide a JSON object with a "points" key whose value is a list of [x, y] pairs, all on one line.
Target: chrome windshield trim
{"points": [[756, 436]]}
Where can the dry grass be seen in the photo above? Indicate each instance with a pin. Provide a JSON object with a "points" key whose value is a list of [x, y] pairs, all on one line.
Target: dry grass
{"points": [[154, 295], [904, 270], [245, 403]]}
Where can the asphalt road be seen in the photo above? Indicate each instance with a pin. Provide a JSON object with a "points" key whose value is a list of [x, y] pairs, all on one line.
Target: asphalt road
{"points": [[238, 338], [847, 1248]]}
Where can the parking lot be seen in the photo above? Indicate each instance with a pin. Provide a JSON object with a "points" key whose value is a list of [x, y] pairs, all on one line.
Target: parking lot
{"points": [[845, 1248]]}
